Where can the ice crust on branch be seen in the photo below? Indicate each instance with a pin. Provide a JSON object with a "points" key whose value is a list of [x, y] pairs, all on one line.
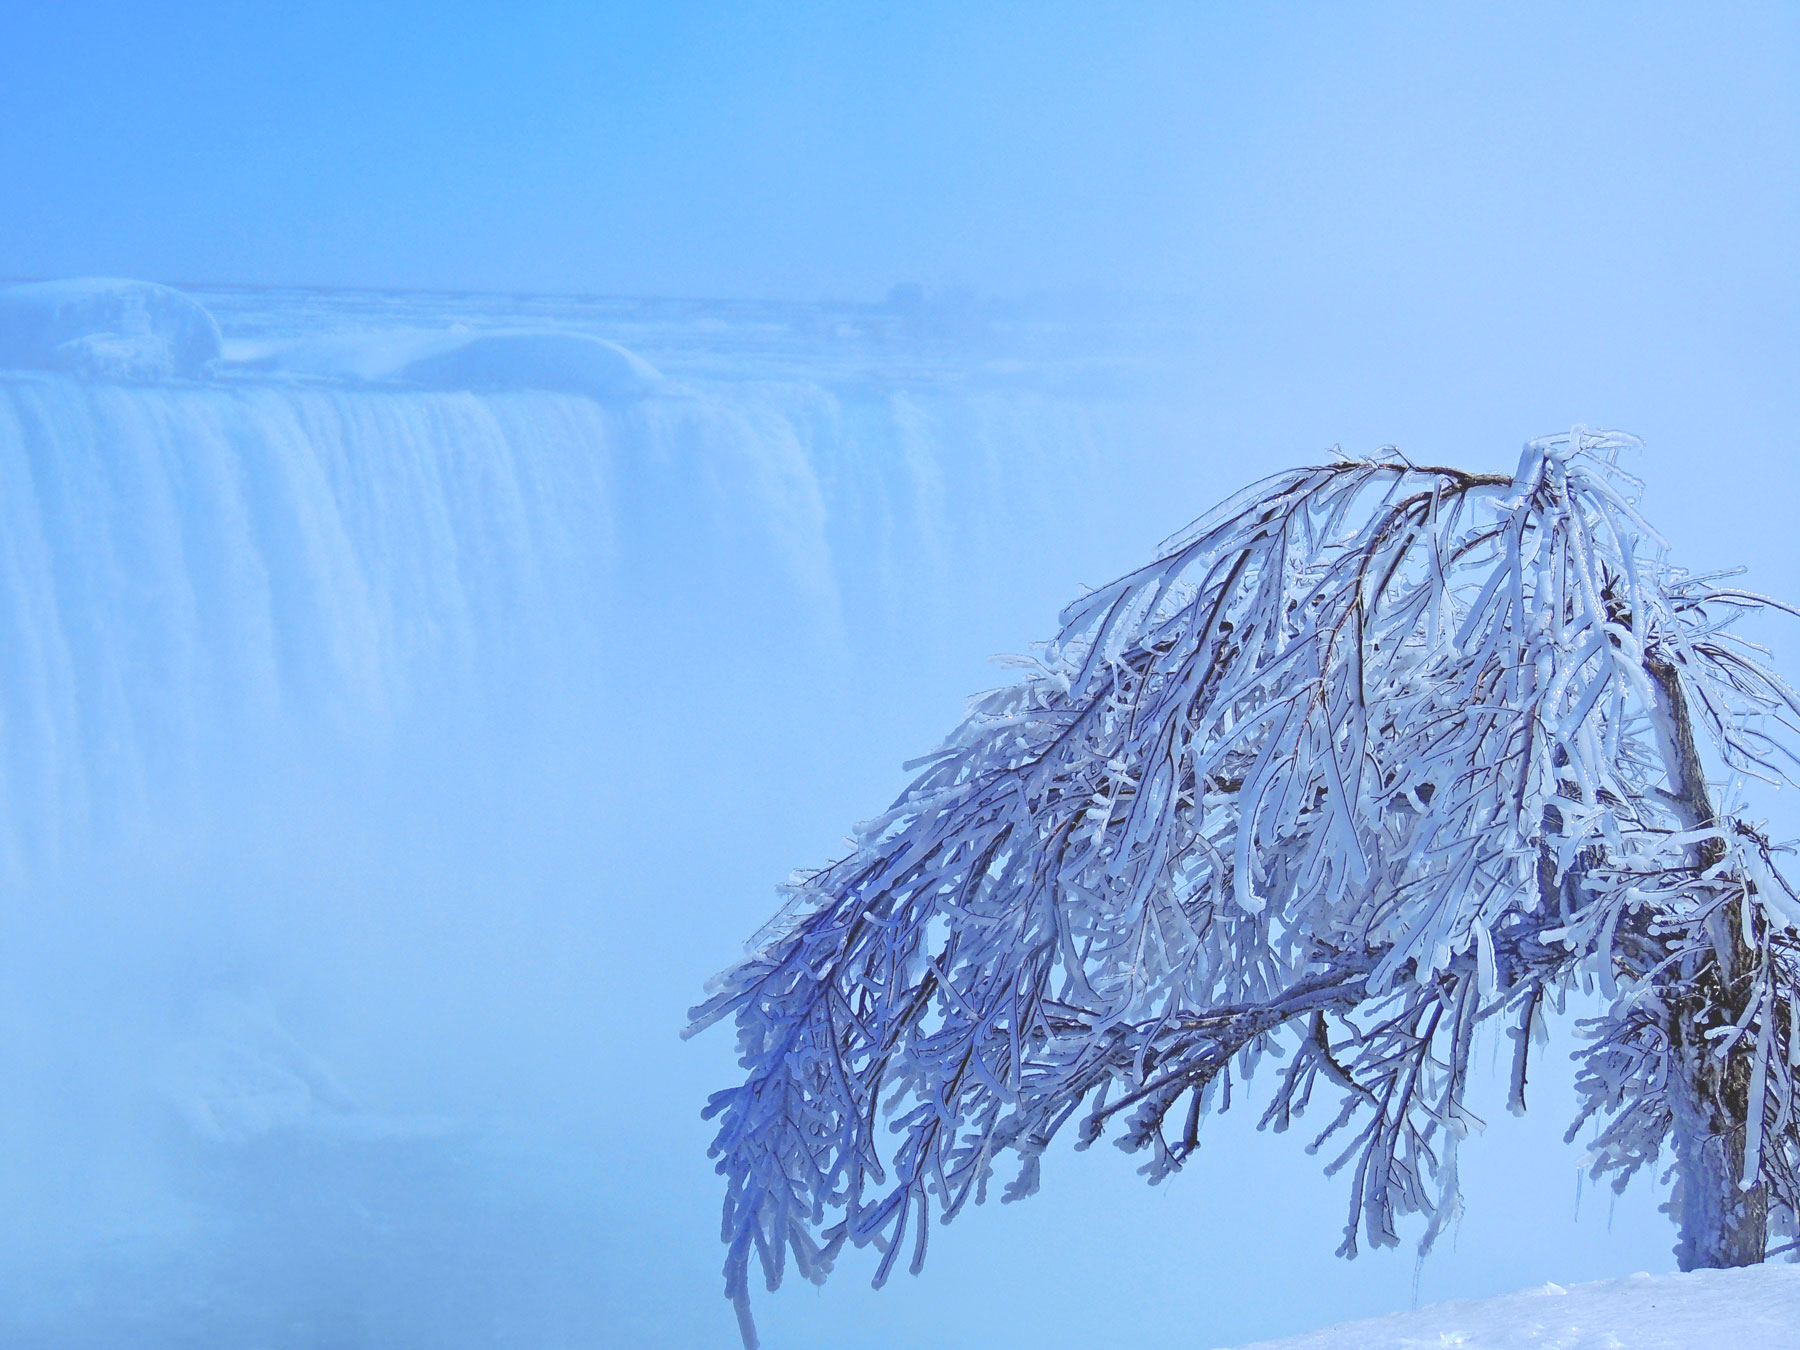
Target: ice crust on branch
{"points": [[1369, 754]]}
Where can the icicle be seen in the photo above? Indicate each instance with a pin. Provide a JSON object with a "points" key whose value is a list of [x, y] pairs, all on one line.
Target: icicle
{"points": [[1484, 960], [1759, 1078]]}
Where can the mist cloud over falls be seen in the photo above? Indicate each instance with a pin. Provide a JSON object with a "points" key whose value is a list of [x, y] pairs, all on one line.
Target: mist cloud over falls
{"points": [[394, 722]]}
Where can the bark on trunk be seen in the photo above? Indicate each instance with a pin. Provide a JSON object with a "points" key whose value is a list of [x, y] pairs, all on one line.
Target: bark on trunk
{"points": [[1720, 1222]]}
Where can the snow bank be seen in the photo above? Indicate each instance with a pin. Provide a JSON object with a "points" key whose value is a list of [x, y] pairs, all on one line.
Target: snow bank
{"points": [[106, 329], [549, 359], [138, 330], [567, 363], [1757, 1308]]}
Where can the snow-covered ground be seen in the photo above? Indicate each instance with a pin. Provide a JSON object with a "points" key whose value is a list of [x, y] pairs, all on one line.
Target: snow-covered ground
{"points": [[1752, 1309]]}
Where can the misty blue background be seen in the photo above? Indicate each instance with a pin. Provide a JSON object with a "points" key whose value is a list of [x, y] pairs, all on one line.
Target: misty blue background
{"points": [[1292, 226]]}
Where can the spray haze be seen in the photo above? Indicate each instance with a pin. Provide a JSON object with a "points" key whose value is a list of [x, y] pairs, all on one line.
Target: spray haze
{"points": [[408, 698]]}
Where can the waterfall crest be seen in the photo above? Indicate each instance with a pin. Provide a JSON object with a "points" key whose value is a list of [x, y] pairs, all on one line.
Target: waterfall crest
{"points": [[190, 566]]}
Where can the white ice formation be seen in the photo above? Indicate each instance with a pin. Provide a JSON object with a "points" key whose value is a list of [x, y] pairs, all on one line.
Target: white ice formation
{"points": [[546, 360], [106, 329]]}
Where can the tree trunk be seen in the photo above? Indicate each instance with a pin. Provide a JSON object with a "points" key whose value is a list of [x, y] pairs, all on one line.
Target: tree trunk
{"points": [[1720, 1223]]}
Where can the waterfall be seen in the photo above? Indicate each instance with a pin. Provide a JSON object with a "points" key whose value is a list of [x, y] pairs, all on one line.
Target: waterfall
{"points": [[384, 765], [187, 568]]}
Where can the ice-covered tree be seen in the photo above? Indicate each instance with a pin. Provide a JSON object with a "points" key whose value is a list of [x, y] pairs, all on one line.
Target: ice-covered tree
{"points": [[1372, 753]]}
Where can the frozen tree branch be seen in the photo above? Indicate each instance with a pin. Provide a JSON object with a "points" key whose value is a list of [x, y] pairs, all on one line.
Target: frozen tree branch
{"points": [[1371, 753]]}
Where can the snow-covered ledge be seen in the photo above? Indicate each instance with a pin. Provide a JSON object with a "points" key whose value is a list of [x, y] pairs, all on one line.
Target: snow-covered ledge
{"points": [[1751, 1308]]}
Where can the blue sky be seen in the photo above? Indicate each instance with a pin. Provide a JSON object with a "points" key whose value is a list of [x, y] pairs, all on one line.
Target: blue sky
{"points": [[1422, 156]]}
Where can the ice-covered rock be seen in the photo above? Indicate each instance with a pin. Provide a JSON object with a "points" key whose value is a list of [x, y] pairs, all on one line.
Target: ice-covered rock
{"points": [[106, 329], [567, 363], [546, 359]]}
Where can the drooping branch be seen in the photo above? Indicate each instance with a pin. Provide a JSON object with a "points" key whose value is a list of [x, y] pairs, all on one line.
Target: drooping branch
{"points": [[1369, 754]]}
